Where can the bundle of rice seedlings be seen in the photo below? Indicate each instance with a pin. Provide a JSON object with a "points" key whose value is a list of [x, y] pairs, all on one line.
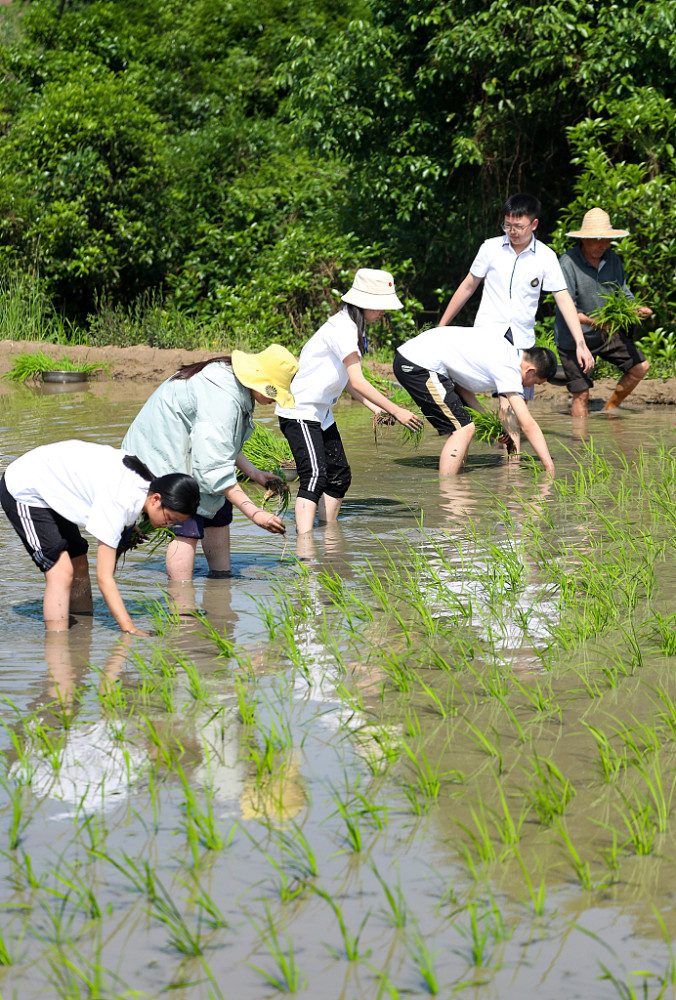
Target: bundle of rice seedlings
{"points": [[488, 424], [618, 313], [273, 454], [380, 422], [30, 365], [268, 452], [280, 490], [400, 397], [142, 533]]}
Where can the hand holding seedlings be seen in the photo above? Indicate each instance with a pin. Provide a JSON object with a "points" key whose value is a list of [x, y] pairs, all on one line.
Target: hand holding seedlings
{"points": [[409, 419], [276, 487], [274, 524]]}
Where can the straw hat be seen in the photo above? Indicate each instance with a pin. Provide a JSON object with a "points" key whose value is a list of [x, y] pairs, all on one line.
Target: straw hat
{"points": [[372, 290], [270, 372], [596, 226]]}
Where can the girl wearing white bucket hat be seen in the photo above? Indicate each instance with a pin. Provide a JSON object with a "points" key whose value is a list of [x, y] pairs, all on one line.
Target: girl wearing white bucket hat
{"points": [[329, 363]]}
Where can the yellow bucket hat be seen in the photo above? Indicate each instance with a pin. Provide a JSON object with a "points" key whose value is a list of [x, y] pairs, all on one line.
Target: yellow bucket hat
{"points": [[270, 372]]}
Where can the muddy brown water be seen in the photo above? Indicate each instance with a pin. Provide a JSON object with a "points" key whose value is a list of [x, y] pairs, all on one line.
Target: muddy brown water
{"points": [[101, 810]]}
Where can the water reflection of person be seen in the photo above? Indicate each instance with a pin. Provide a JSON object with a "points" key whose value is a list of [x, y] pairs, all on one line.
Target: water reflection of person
{"points": [[93, 768], [331, 538], [66, 661], [458, 498], [216, 605]]}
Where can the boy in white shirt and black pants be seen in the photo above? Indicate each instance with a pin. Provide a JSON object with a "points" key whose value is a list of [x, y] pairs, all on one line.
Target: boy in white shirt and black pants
{"points": [[443, 370]]}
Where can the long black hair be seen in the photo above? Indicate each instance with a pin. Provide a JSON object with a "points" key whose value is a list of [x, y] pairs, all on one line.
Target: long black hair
{"points": [[177, 490], [356, 314], [187, 371]]}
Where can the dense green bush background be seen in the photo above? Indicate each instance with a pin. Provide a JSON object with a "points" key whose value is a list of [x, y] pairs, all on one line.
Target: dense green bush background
{"points": [[212, 171]]}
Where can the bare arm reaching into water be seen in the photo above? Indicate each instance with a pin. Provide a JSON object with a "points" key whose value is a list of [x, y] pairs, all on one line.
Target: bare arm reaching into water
{"points": [[365, 391], [531, 429], [106, 557]]}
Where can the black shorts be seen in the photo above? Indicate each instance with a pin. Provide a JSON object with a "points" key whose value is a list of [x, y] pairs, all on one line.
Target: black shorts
{"points": [[435, 395], [320, 458], [44, 533], [193, 527], [619, 350]]}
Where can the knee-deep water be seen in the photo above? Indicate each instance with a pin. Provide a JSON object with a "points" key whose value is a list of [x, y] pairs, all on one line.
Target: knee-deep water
{"points": [[434, 755]]}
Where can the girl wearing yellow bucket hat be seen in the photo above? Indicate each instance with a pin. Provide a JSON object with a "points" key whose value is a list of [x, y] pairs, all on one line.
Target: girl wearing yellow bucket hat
{"points": [[197, 422], [329, 363]]}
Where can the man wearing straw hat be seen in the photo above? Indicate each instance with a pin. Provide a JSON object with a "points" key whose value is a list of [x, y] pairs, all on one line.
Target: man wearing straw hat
{"points": [[592, 272]]}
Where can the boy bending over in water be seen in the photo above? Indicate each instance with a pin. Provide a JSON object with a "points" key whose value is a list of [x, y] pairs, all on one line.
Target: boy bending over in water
{"points": [[443, 369], [50, 490]]}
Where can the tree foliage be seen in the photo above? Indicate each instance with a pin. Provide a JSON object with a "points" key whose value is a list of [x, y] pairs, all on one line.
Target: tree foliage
{"points": [[236, 161], [442, 110]]}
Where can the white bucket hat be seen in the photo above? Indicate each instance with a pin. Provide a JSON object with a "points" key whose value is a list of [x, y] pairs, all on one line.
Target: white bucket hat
{"points": [[372, 290], [596, 226]]}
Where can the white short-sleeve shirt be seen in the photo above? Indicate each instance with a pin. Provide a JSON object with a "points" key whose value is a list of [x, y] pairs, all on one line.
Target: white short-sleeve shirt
{"points": [[322, 376], [512, 285], [86, 483], [478, 360]]}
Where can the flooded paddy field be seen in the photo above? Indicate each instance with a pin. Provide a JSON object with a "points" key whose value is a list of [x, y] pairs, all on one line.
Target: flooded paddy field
{"points": [[434, 755]]}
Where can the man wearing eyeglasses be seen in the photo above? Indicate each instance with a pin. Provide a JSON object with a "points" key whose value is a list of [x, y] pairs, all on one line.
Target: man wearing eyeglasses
{"points": [[515, 269]]}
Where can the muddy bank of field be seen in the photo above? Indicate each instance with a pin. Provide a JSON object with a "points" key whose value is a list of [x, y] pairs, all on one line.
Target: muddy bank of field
{"points": [[152, 364]]}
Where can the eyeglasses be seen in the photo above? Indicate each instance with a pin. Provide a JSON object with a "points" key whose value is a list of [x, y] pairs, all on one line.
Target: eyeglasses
{"points": [[168, 521], [508, 227]]}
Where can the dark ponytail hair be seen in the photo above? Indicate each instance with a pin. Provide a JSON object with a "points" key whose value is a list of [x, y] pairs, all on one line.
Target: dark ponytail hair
{"points": [[356, 314], [187, 371], [177, 490]]}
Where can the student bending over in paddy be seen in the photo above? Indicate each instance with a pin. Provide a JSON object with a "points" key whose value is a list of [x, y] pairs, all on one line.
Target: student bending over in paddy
{"points": [[197, 422], [442, 370], [329, 363], [50, 490]]}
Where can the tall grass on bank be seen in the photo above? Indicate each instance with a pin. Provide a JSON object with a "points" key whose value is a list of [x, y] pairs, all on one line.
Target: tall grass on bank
{"points": [[26, 313]]}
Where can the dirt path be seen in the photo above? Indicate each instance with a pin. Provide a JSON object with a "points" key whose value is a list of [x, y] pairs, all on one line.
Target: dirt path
{"points": [[152, 364]]}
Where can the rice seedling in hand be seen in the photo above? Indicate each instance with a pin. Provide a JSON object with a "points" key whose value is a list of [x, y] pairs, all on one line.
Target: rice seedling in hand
{"points": [[277, 490], [488, 424], [398, 395]]}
